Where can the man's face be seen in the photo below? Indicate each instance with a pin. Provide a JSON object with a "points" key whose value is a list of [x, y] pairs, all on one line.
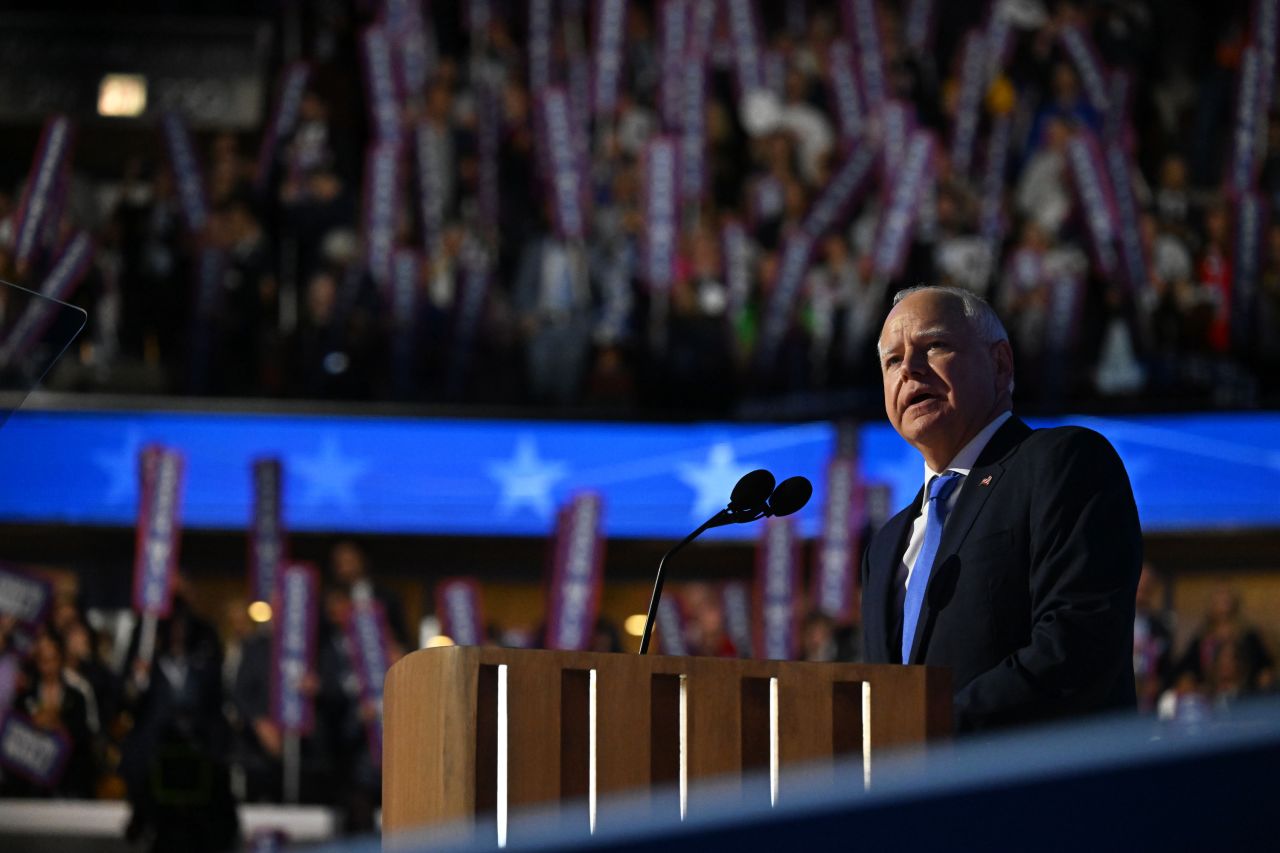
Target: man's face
{"points": [[942, 383]]}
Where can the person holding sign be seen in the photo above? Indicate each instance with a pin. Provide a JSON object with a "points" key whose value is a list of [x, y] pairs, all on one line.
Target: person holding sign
{"points": [[1016, 565], [54, 705]]}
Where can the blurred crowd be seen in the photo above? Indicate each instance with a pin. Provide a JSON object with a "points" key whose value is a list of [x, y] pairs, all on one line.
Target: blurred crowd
{"points": [[290, 308], [187, 731]]}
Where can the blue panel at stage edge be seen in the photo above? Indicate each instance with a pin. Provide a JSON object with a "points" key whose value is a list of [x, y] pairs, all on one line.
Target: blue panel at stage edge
{"points": [[506, 478]]}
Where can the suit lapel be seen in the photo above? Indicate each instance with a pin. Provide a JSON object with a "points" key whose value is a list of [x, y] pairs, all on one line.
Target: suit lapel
{"points": [[978, 486]]}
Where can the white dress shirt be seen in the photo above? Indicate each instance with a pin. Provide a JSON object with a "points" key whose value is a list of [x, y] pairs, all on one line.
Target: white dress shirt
{"points": [[962, 464]]}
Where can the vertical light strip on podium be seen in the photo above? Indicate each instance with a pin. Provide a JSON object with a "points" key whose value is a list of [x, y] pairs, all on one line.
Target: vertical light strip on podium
{"points": [[773, 741], [866, 735], [501, 805], [684, 746], [591, 754]]}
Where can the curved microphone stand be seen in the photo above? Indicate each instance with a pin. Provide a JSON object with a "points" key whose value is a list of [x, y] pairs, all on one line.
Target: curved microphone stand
{"points": [[753, 498], [720, 519]]}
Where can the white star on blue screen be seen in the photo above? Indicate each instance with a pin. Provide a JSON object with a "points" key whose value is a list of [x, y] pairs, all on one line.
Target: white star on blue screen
{"points": [[526, 479], [329, 476], [713, 480], [121, 467]]}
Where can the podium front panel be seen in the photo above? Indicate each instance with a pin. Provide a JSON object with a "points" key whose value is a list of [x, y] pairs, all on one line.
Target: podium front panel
{"points": [[472, 732]]}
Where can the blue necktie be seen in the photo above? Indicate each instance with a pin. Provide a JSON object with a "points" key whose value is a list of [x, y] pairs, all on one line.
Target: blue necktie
{"points": [[940, 488]]}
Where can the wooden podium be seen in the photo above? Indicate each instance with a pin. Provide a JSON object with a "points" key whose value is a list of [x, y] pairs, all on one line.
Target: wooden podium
{"points": [[471, 731]]}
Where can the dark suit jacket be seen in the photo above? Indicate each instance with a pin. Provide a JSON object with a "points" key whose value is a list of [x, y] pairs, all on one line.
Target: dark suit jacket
{"points": [[1031, 599]]}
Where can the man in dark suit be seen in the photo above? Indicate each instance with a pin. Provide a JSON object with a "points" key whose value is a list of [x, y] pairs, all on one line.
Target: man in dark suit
{"points": [[1016, 566]]}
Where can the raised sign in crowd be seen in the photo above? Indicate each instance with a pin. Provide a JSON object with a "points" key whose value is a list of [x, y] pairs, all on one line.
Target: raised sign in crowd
{"points": [[683, 205], [670, 206], [184, 719]]}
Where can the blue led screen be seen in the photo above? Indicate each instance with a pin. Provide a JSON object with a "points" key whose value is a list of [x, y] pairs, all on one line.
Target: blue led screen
{"points": [[506, 478]]}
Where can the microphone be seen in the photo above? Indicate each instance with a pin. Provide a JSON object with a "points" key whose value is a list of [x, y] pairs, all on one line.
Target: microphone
{"points": [[751, 492], [791, 494], [753, 497]]}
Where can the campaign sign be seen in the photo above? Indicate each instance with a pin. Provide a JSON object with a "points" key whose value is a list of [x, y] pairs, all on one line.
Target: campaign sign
{"points": [[991, 223], [266, 534], [611, 17], [735, 252], [842, 519], [71, 266], [158, 530], [897, 122], [898, 221], [413, 48], [187, 176], [693, 132], [777, 575], [367, 634], [488, 145], [432, 160], [576, 575], [211, 266], [1251, 217], [468, 312], [673, 23], [918, 26], [284, 117], [735, 598], [538, 41], [1093, 78], [558, 154], [1093, 188], [842, 82], [458, 604], [973, 80], [862, 26], [1120, 172], [293, 652], [1000, 37], [381, 93], [1062, 319], [796, 253], [10, 669], [671, 627], [47, 170], [24, 596], [703, 15], [661, 205], [1266, 29], [744, 33], [878, 501], [850, 181], [381, 204], [31, 752], [1244, 165]]}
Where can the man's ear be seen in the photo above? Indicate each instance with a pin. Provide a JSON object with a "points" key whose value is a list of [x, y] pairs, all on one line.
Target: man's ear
{"points": [[1003, 355]]}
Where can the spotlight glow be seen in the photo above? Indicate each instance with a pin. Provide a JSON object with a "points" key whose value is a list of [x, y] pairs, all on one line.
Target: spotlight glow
{"points": [[122, 95]]}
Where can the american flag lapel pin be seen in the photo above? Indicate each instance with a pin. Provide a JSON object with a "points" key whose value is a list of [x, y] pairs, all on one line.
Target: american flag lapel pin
{"points": [[986, 481]]}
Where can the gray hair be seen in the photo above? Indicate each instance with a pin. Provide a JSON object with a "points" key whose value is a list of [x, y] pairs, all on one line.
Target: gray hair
{"points": [[981, 316]]}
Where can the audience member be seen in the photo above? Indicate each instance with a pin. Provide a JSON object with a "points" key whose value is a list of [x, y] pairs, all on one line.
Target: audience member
{"points": [[295, 315], [55, 703], [1152, 641], [1227, 651]]}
